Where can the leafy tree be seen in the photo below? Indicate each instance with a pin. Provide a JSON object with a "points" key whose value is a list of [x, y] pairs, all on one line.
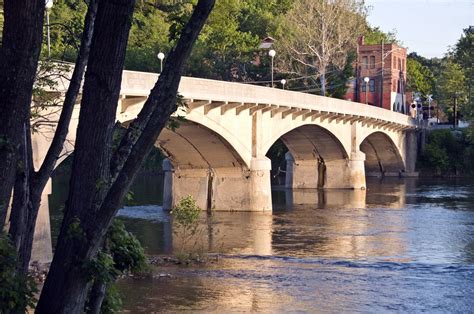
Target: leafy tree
{"points": [[448, 152], [222, 43], [318, 35], [17, 290], [451, 84], [121, 253], [419, 77], [374, 35], [464, 56]]}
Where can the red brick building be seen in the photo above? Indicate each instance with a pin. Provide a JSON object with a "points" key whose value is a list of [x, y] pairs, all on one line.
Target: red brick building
{"points": [[384, 68]]}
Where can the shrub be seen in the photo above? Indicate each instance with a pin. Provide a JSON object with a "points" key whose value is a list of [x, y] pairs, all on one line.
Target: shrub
{"points": [[186, 220], [17, 291]]}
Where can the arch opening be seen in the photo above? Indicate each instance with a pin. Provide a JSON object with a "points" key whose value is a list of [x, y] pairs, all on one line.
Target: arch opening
{"points": [[313, 155], [382, 157], [193, 146]]}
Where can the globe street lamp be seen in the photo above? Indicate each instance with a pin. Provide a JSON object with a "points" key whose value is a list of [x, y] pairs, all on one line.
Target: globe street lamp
{"points": [[272, 54], [366, 80], [283, 82], [48, 5], [161, 56]]}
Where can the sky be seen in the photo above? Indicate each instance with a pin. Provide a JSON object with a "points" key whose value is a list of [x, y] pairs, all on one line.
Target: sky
{"points": [[427, 27]]}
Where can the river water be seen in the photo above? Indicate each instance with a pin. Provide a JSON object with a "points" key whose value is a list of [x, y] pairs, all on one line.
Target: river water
{"points": [[403, 245]]}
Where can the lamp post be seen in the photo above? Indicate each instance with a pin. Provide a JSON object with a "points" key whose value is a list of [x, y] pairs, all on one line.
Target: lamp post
{"points": [[161, 56], [272, 54], [283, 82], [366, 80], [48, 5]]}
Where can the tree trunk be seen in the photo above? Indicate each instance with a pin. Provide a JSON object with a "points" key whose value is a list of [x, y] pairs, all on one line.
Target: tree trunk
{"points": [[322, 80], [97, 296], [27, 196], [19, 54], [96, 187], [65, 287]]}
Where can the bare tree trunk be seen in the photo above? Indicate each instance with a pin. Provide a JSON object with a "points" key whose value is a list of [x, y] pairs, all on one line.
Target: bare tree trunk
{"points": [[97, 187], [19, 54], [322, 80], [27, 196]]}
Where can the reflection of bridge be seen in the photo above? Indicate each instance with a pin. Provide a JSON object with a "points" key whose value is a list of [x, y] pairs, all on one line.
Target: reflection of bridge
{"points": [[218, 153]]}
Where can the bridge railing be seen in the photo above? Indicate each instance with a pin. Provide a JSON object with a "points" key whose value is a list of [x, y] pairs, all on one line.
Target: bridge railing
{"points": [[140, 83]]}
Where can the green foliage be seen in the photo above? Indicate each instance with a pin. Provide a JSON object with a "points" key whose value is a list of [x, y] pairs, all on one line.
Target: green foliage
{"points": [[67, 23], [419, 77], [464, 56], [17, 292], [75, 230], [450, 83], [121, 253], [186, 220], [375, 36], [448, 152], [127, 253], [112, 301]]}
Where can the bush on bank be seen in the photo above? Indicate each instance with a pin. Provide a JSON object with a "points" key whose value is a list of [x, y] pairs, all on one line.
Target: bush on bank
{"points": [[448, 153], [17, 292]]}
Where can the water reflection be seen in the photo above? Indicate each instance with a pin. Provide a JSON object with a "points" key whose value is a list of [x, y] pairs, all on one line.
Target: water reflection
{"points": [[401, 245]]}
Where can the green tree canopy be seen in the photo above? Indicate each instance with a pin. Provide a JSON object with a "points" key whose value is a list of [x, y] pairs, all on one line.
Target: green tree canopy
{"points": [[450, 84], [374, 35], [419, 77]]}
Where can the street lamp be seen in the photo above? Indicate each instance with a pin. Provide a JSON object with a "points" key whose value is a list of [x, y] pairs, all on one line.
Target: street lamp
{"points": [[366, 80], [283, 82], [272, 54], [161, 56], [48, 5]]}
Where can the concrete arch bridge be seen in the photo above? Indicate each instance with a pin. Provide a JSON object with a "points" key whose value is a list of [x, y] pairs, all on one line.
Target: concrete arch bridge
{"points": [[218, 154]]}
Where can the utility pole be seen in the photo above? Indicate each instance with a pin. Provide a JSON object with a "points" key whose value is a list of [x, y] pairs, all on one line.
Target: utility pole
{"points": [[454, 111], [357, 75], [381, 78]]}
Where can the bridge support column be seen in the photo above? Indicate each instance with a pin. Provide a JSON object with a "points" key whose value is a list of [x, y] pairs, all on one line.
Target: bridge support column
{"points": [[411, 153], [226, 189], [357, 171], [301, 174], [42, 248], [346, 173]]}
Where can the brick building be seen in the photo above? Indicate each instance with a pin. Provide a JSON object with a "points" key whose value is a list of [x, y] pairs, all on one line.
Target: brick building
{"points": [[385, 67]]}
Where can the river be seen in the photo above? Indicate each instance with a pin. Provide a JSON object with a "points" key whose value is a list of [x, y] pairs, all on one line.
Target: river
{"points": [[403, 245]]}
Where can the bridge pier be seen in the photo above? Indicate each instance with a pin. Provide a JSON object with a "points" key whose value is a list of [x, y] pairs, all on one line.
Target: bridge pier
{"points": [[301, 174], [226, 189], [331, 174], [42, 250]]}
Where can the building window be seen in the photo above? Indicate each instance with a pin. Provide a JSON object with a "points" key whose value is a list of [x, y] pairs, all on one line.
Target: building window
{"points": [[365, 63], [372, 62], [372, 85]]}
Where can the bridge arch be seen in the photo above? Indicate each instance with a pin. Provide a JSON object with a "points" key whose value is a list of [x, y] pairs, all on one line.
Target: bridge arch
{"points": [[382, 156], [316, 158], [311, 141], [194, 146]]}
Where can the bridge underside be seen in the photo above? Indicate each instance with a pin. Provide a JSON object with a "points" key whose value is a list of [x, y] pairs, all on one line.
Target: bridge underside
{"points": [[382, 157], [317, 159], [202, 164]]}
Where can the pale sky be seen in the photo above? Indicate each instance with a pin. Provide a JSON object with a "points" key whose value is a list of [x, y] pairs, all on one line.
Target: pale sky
{"points": [[427, 27]]}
